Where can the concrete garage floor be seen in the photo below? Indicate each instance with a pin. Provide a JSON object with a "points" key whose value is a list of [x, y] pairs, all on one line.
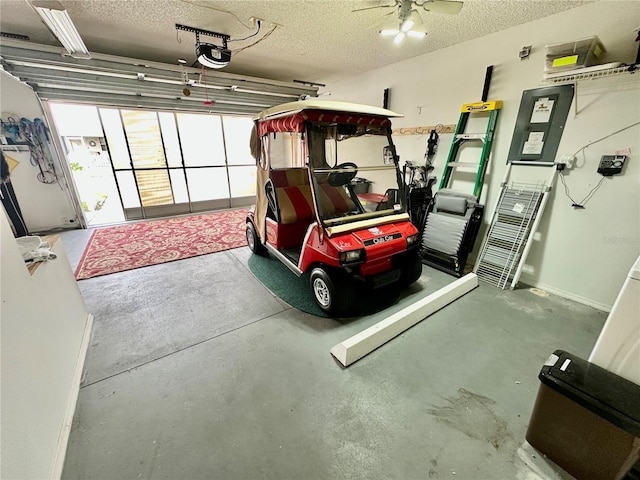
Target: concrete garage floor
{"points": [[196, 371]]}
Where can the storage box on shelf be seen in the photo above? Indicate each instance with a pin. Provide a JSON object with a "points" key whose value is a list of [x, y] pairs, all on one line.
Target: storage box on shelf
{"points": [[572, 55]]}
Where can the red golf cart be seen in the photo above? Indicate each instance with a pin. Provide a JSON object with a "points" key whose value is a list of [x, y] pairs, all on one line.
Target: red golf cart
{"points": [[307, 213]]}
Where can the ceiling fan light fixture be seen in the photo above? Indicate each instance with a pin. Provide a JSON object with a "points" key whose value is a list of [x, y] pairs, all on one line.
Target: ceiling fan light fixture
{"points": [[60, 24], [389, 33], [416, 34], [412, 20], [398, 38], [406, 25]]}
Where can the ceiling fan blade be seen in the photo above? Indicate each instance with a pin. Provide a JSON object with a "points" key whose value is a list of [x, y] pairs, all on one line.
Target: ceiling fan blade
{"points": [[443, 6], [378, 23], [371, 8]]}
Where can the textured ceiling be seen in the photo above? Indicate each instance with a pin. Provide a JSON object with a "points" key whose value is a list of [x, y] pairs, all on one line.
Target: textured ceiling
{"points": [[316, 40]]}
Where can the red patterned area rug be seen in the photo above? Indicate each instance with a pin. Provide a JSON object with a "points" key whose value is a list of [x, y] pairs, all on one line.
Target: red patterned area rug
{"points": [[126, 247]]}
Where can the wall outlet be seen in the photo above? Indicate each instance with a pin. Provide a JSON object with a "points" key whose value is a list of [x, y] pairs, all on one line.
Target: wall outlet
{"points": [[568, 160]]}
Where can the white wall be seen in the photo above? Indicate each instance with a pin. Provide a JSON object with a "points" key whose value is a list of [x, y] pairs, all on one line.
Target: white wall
{"points": [[42, 205], [581, 254], [45, 329]]}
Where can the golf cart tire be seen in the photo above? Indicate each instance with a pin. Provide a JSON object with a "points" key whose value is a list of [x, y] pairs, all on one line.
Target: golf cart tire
{"points": [[253, 240], [411, 273], [334, 293]]}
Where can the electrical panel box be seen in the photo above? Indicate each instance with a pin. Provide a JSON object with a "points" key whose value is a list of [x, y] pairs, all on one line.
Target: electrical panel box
{"points": [[611, 164], [540, 123]]}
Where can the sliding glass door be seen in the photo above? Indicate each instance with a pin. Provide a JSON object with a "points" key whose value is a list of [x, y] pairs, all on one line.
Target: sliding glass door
{"points": [[241, 166], [166, 163]]}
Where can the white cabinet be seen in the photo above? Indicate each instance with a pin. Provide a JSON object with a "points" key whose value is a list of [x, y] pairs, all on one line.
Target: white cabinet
{"points": [[45, 333], [618, 346]]}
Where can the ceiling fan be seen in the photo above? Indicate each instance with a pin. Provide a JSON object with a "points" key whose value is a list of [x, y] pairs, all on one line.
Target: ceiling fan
{"points": [[409, 17]]}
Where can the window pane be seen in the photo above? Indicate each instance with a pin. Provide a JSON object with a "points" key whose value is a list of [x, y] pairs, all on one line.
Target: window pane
{"points": [[201, 139], [76, 120], [115, 138], [285, 150], [128, 190], [179, 185], [145, 143], [237, 133], [207, 183], [243, 181], [154, 187], [170, 138]]}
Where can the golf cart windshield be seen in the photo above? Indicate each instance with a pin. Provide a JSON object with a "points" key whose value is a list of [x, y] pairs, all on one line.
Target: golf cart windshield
{"points": [[353, 172]]}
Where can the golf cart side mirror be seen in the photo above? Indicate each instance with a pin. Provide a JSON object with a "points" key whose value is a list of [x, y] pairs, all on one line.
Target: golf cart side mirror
{"points": [[387, 155]]}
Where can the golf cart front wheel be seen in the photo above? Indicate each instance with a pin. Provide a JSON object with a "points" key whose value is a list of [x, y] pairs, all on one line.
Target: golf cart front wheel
{"points": [[332, 293], [411, 272], [253, 240]]}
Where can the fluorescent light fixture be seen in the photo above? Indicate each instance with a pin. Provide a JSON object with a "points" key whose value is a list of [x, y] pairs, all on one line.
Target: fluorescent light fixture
{"points": [[398, 38], [389, 33], [65, 31]]}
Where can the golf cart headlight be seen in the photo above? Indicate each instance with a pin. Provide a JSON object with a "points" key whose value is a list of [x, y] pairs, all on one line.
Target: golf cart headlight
{"points": [[411, 239], [351, 256]]}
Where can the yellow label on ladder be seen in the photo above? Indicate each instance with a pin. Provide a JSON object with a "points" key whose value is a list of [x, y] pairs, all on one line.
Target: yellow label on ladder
{"points": [[481, 106]]}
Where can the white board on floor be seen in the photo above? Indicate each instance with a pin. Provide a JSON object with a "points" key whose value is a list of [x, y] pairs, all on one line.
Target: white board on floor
{"points": [[365, 342]]}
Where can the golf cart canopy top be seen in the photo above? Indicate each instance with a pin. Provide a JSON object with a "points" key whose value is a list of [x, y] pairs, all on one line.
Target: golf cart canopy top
{"points": [[290, 117]]}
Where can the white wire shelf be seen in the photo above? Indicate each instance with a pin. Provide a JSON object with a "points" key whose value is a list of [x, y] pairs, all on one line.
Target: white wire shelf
{"points": [[574, 75], [594, 80], [530, 187], [14, 148]]}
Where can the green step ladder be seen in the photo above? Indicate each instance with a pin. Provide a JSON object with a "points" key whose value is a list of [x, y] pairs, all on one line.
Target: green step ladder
{"points": [[460, 137], [449, 234]]}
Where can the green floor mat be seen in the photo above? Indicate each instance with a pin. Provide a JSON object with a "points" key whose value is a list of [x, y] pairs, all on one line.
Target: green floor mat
{"points": [[296, 291]]}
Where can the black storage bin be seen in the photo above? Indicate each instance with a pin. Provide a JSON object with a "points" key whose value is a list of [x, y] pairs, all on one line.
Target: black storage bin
{"points": [[360, 185], [586, 419]]}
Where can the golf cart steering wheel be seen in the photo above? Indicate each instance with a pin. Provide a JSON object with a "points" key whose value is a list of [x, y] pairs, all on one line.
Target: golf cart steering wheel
{"points": [[338, 179]]}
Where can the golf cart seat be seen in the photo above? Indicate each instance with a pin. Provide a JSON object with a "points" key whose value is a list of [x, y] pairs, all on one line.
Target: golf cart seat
{"points": [[450, 230], [289, 177], [287, 202], [290, 200], [334, 200], [295, 204]]}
